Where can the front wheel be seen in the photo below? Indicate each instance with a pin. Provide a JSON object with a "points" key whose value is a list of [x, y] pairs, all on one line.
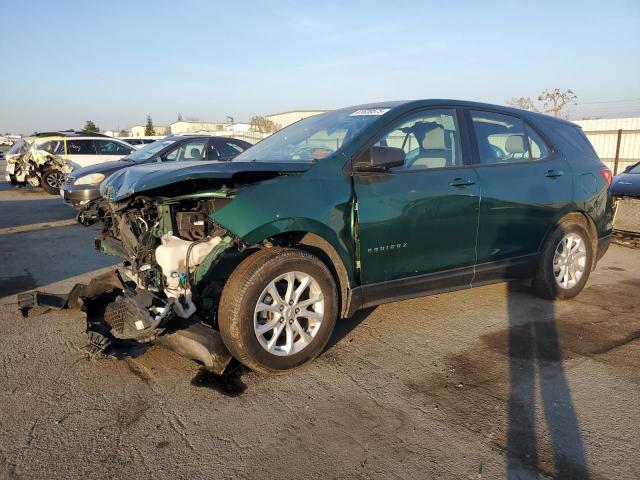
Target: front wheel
{"points": [[278, 309], [565, 263], [52, 180]]}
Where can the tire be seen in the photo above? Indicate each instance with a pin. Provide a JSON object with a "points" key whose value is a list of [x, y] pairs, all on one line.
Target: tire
{"points": [[50, 178], [239, 317], [546, 284]]}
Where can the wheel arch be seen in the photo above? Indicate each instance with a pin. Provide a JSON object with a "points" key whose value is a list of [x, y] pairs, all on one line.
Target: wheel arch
{"points": [[322, 248], [581, 217]]}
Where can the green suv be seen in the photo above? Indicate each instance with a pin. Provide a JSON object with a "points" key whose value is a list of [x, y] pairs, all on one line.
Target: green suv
{"points": [[345, 210]]}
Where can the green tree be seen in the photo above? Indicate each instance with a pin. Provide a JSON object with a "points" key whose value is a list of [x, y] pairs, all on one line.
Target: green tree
{"points": [[90, 127], [149, 130], [263, 125], [123, 133]]}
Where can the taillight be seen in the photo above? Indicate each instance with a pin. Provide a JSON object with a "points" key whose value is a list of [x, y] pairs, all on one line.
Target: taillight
{"points": [[606, 174]]}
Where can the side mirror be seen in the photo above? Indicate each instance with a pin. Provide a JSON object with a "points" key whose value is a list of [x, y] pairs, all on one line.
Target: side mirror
{"points": [[380, 158]]}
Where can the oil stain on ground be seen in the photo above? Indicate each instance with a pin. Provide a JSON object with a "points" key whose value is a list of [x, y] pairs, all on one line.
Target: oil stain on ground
{"points": [[229, 384]]}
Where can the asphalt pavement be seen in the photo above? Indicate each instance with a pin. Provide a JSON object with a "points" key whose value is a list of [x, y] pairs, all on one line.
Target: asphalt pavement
{"points": [[485, 383]]}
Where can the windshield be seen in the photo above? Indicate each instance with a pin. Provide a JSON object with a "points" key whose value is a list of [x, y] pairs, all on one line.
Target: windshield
{"points": [[148, 151], [312, 138], [635, 169]]}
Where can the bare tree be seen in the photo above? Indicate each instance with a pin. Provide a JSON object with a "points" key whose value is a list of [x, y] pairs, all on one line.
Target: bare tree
{"points": [[263, 125], [555, 100], [525, 103]]}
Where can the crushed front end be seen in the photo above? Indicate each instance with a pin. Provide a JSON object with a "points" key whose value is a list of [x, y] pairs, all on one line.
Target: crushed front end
{"points": [[168, 246], [160, 220]]}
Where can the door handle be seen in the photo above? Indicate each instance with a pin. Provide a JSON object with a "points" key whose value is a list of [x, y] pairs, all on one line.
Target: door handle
{"points": [[554, 173], [461, 182]]}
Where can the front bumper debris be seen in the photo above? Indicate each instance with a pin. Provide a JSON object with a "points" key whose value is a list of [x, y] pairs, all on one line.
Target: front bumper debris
{"points": [[122, 320]]}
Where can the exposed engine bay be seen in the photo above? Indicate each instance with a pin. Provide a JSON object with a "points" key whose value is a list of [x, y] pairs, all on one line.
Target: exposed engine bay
{"points": [[162, 243], [153, 296]]}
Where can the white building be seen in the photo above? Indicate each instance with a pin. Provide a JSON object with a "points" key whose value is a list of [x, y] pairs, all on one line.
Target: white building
{"points": [[285, 119], [187, 126], [138, 131]]}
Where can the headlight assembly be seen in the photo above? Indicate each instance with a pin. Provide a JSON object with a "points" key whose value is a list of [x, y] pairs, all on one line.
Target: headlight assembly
{"points": [[91, 179]]}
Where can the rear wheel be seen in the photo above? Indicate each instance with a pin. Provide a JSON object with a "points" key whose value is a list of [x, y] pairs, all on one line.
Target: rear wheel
{"points": [[565, 263], [278, 309], [52, 180]]}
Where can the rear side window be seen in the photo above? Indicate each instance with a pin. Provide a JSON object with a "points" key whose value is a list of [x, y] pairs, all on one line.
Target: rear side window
{"points": [[81, 147], [221, 150], [570, 139], [109, 147], [537, 147], [506, 139]]}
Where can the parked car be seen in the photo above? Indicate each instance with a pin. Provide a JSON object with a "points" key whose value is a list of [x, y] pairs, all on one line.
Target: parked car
{"points": [[83, 185], [626, 191], [49, 157], [138, 142], [258, 257], [627, 184]]}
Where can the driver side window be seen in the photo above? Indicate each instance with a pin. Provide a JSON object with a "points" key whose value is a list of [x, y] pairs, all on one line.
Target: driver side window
{"points": [[430, 139]]}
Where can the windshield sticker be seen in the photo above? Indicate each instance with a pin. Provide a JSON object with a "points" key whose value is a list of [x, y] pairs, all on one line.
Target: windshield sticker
{"points": [[370, 111]]}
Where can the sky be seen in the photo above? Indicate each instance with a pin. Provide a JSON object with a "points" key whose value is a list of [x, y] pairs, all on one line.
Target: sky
{"points": [[116, 62]]}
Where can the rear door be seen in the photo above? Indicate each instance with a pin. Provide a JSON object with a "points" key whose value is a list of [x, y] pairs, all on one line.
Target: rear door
{"points": [[525, 185], [82, 152], [420, 218]]}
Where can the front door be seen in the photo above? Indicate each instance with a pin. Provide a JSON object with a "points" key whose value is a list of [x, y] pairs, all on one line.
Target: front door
{"points": [[422, 217]]}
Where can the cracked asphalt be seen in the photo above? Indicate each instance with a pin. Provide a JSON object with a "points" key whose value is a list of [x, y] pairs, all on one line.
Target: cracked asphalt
{"points": [[484, 383]]}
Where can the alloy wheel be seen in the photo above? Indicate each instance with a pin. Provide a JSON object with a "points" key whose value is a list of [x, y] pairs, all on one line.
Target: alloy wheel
{"points": [[569, 261], [289, 313], [55, 179]]}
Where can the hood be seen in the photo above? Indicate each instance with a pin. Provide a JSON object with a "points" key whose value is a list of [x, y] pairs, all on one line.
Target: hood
{"points": [[141, 178], [106, 168], [626, 184]]}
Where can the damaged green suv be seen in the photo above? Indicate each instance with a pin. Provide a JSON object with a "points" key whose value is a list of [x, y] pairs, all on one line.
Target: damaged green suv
{"points": [[340, 211]]}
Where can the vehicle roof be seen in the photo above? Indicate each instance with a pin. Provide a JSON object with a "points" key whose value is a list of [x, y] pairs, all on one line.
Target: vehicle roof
{"points": [[69, 133], [56, 136], [179, 136], [406, 105]]}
